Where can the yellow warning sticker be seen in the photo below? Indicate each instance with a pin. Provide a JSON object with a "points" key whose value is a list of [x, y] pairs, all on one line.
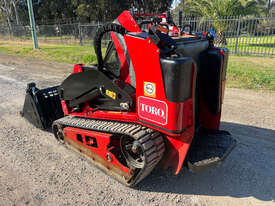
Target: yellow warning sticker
{"points": [[111, 94], [150, 89]]}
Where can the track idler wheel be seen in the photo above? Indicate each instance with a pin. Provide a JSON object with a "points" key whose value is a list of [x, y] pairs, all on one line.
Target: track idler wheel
{"points": [[58, 132], [142, 152], [133, 152]]}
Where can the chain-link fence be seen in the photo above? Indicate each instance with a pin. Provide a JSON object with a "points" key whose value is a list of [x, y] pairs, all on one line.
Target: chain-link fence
{"points": [[76, 33], [242, 35]]}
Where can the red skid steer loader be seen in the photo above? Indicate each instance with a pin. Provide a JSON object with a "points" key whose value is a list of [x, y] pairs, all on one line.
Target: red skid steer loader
{"points": [[151, 100]]}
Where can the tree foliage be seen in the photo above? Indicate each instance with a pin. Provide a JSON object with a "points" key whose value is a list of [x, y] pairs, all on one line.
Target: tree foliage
{"points": [[51, 10], [266, 6], [107, 10], [89, 10], [226, 7], [152, 6], [216, 9], [99, 10], [221, 8]]}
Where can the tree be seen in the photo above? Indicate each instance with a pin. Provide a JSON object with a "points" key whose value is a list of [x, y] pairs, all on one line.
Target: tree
{"points": [[152, 6], [100, 10], [5, 7], [221, 8], [14, 4], [107, 10], [9, 7], [90, 10], [216, 9], [53, 10], [2, 19], [266, 6]]}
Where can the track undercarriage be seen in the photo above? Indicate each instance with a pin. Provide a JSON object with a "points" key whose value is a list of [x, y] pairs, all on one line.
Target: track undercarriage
{"points": [[138, 149]]}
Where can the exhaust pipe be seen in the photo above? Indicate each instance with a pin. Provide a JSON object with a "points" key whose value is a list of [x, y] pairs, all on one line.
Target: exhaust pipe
{"points": [[42, 107]]}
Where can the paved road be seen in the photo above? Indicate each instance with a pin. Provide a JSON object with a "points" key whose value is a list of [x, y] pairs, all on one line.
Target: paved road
{"points": [[34, 170]]}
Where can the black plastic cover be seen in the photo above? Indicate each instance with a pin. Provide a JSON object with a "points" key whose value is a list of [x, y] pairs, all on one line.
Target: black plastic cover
{"points": [[177, 77], [210, 79], [191, 48]]}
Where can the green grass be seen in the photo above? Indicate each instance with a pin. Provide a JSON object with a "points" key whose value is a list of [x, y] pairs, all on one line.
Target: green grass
{"points": [[60, 53], [252, 45], [257, 73]]}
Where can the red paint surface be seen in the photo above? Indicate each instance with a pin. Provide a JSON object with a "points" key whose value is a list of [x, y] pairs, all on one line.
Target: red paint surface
{"points": [[78, 68], [102, 139]]}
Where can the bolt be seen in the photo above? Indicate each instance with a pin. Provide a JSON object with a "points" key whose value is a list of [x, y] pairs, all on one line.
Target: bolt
{"points": [[134, 148], [109, 158], [150, 41], [124, 106]]}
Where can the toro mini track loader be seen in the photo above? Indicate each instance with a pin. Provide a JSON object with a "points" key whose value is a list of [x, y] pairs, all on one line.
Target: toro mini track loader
{"points": [[151, 100]]}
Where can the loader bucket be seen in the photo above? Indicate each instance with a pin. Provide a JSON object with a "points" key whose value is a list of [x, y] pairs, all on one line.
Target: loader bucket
{"points": [[42, 107]]}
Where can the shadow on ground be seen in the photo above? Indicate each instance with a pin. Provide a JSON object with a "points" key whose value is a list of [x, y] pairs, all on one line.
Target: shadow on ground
{"points": [[249, 171]]}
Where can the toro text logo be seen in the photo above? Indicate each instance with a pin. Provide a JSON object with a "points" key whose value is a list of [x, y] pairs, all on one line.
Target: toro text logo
{"points": [[153, 110]]}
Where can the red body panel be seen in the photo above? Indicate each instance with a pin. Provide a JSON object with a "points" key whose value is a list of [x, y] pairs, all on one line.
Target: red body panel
{"points": [[128, 22], [177, 149], [145, 59], [78, 68], [98, 144]]}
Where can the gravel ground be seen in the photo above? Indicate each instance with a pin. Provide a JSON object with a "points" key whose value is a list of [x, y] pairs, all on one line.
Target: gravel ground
{"points": [[35, 170]]}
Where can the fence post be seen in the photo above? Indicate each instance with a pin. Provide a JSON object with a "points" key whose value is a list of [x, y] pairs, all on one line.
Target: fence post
{"points": [[32, 24], [180, 18], [80, 35], [238, 34]]}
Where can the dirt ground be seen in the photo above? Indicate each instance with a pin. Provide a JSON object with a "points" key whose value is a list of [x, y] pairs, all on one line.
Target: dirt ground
{"points": [[35, 170]]}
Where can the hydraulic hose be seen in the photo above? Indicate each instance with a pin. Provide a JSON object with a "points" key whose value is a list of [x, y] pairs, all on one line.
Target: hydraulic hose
{"points": [[110, 27]]}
